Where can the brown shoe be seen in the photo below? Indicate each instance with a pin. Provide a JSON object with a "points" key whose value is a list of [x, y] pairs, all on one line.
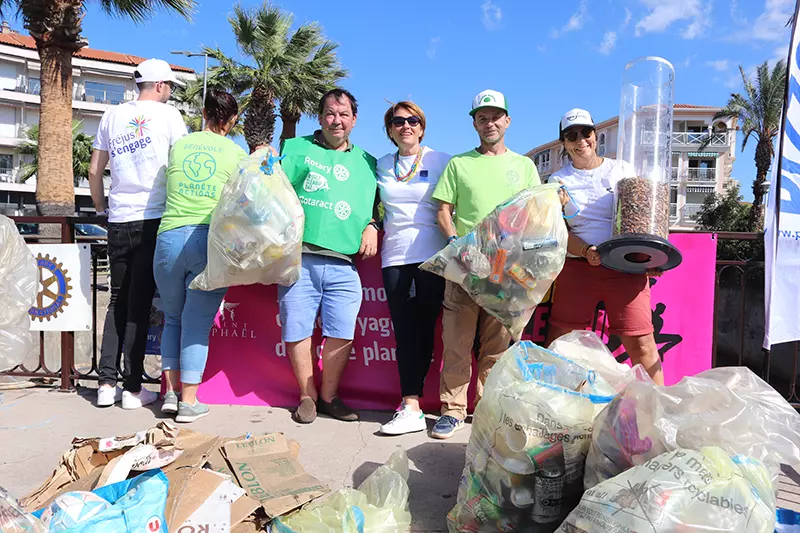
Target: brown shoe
{"points": [[306, 412], [338, 410]]}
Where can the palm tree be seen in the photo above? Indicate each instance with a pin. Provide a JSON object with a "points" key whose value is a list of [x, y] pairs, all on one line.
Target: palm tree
{"points": [[293, 65], [56, 27], [758, 112], [307, 85], [81, 153]]}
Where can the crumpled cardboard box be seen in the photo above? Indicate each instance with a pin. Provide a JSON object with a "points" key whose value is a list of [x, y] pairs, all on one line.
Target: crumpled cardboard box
{"points": [[198, 468]]}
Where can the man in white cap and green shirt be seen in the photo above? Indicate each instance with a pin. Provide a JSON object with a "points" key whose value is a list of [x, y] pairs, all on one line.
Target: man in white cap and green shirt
{"points": [[135, 138], [472, 185]]}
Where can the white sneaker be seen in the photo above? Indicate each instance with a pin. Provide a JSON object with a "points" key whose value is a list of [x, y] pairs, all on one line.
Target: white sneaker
{"points": [[108, 395], [135, 401], [407, 420]]}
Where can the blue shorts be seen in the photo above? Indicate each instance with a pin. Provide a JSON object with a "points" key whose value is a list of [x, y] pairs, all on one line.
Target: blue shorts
{"points": [[328, 287]]}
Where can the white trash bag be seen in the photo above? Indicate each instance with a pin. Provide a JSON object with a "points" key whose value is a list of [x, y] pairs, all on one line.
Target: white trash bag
{"points": [[681, 491], [730, 408], [530, 435], [509, 261], [19, 284], [256, 230]]}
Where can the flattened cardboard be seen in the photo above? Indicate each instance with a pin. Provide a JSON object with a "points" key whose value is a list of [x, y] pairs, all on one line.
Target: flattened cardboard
{"points": [[265, 467]]}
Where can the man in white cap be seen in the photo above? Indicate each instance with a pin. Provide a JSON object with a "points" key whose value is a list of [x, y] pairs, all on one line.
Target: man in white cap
{"points": [[135, 137], [472, 185]]}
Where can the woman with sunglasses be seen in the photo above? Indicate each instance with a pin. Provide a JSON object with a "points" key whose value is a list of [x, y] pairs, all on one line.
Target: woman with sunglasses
{"points": [[406, 179], [584, 282]]}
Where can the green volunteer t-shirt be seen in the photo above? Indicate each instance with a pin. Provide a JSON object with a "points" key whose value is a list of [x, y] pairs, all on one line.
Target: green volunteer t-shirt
{"points": [[336, 190], [199, 166], [475, 184]]}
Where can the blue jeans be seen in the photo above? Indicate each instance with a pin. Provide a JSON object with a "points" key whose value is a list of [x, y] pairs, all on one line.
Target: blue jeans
{"points": [[181, 254]]}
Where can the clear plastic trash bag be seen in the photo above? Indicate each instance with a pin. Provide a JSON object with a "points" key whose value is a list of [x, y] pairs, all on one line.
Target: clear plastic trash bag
{"points": [[256, 230], [681, 491], [19, 284], [379, 505], [508, 262], [14, 519], [530, 435], [730, 408]]}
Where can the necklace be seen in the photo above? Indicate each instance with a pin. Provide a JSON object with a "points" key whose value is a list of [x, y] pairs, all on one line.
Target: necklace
{"points": [[414, 166]]}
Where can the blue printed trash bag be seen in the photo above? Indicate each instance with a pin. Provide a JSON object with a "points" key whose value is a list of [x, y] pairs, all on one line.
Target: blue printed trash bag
{"points": [[530, 435], [788, 521], [132, 506]]}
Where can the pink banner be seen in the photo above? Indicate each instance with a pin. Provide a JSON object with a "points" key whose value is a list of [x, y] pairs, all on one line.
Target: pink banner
{"points": [[247, 363]]}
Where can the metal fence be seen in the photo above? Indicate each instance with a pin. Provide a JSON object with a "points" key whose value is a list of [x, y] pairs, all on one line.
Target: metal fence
{"points": [[738, 318]]}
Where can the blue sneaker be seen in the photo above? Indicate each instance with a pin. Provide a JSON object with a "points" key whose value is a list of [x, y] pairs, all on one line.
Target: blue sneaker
{"points": [[446, 426]]}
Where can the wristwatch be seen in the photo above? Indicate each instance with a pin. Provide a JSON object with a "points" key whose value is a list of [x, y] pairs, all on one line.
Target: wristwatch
{"points": [[451, 238], [375, 225]]}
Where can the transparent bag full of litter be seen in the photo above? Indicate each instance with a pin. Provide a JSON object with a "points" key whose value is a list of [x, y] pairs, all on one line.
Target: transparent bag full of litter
{"points": [[508, 262], [256, 230], [530, 436], [19, 283]]}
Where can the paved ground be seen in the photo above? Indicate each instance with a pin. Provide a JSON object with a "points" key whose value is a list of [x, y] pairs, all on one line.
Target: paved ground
{"points": [[37, 426]]}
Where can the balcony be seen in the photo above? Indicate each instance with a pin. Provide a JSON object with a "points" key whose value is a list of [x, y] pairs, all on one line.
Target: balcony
{"points": [[673, 211], [674, 176], [690, 211], [707, 175], [698, 138]]}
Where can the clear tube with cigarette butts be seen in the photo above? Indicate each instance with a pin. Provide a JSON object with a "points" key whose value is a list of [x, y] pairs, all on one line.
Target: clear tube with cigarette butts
{"points": [[641, 215]]}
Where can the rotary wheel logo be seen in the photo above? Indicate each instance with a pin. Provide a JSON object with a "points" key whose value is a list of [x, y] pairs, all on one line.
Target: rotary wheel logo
{"points": [[340, 172], [54, 289], [342, 210]]}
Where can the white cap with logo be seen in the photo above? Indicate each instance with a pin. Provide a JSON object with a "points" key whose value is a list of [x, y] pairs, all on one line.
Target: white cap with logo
{"points": [[574, 117], [155, 70], [489, 98]]}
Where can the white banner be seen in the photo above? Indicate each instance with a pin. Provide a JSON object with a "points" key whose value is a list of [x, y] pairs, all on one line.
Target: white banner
{"points": [[63, 300], [782, 220]]}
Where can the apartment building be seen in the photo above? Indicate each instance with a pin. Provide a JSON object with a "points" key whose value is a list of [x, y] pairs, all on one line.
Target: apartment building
{"points": [[703, 152], [101, 79]]}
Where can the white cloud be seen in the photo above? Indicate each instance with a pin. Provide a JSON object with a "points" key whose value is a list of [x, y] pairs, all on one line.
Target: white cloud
{"points": [[721, 65], [734, 82], [433, 45], [540, 47], [575, 22], [782, 52], [771, 24], [609, 42], [688, 60], [664, 13], [628, 17], [492, 15]]}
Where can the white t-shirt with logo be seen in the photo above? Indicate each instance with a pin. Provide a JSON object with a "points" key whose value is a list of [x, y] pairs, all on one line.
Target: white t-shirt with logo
{"points": [[411, 233], [137, 136], [592, 194]]}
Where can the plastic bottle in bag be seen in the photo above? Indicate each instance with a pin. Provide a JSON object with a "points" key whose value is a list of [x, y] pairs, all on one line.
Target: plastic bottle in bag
{"points": [[13, 519]]}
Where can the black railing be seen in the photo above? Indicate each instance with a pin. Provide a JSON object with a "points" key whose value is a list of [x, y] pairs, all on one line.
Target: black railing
{"points": [[738, 316]]}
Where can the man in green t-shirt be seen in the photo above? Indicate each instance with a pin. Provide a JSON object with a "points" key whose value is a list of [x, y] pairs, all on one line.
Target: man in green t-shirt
{"points": [[336, 184], [472, 185]]}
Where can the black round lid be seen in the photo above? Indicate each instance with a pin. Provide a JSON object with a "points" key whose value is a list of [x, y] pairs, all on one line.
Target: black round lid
{"points": [[636, 253]]}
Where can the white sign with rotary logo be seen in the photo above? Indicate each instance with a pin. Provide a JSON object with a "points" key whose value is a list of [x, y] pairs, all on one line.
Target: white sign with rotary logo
{"points": [[63, 298]]}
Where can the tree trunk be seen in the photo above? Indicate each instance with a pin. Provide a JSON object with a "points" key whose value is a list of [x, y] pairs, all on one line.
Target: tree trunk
{"points": [[55, 195], [763, 160], [289, 129]]}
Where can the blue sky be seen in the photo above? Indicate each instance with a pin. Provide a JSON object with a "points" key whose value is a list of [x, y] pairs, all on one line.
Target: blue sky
{"points": [[546, 57]]}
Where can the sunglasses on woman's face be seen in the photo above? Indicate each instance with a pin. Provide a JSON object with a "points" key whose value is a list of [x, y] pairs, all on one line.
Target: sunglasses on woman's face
{"points": [[572, 136], [398, 122]]}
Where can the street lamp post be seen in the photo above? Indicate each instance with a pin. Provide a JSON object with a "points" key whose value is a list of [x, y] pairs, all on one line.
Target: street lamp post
{"points": [[205, 75]]}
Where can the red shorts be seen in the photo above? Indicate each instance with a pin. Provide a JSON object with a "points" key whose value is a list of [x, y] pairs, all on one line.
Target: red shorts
{"points": [[580, 287]]}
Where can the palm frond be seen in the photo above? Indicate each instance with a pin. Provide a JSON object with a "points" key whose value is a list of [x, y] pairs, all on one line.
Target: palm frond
{"points": [[141, 10]]}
